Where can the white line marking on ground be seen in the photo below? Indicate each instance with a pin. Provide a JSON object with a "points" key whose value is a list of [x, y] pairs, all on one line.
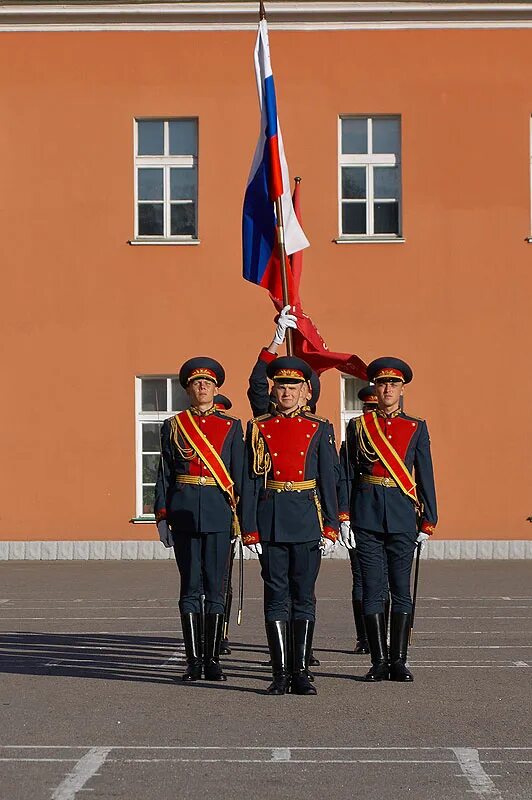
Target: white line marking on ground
{"points": [[281, 754], [39, 759], [520, 664], [268, 748], [472, 646], [478, 780], [464, 616], [86, 767], [438, 665], [177, 656], [24, 634], [115, 619]]}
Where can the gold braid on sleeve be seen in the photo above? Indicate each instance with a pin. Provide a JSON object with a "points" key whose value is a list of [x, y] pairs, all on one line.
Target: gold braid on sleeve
{"points": [[261, 458], [318, 509], [183, 449], [363, 446]]}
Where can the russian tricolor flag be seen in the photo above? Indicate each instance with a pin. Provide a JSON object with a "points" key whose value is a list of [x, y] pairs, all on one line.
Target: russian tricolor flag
{"points": [[268, 180]]}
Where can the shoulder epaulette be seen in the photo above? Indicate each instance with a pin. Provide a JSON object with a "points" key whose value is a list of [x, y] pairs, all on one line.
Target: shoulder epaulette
{"points": [[411, 416], [310, 415], [228, 416], [262, 417]]}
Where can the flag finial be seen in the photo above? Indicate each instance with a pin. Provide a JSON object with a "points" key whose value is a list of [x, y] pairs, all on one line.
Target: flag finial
{"points": [[297, 179], [262, 10]]}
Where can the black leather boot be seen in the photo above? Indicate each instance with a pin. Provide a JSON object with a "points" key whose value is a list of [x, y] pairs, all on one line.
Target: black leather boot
{"points": [[190, 624], [399, 632], [225, 650], [277, 635], [361, 645], [213, 636], [376, 633], [302, 632]]}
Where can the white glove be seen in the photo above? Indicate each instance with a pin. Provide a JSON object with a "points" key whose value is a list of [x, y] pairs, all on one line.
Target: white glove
{"points": [[255, 548], [421, 539], [326, 546], [165, 534], [285, 320], [347, 537]]}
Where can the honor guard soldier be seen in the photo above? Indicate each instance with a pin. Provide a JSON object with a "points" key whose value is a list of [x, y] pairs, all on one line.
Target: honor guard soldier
{"points": [[290, 516], [369, 403], [222, 403], [195, 508], [393, 508], [260, 397]]}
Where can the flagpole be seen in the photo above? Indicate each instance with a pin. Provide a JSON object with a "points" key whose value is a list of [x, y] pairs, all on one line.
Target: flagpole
{"points": [[280, 239], [282, 260]]}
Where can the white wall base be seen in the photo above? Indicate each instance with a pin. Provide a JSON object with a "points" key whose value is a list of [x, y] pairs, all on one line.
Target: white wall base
{"points": [[150, 550]]}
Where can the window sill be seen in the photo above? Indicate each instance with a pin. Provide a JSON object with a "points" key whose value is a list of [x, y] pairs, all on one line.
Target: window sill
{"points": [[143, 520], [173, 242], [369, 240]]}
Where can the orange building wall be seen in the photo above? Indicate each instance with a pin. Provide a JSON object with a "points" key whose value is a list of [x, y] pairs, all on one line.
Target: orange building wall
{"points": [[84, 312]]}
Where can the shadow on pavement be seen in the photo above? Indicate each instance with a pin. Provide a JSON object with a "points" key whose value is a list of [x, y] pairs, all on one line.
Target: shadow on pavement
{"points": [[108, 656]]}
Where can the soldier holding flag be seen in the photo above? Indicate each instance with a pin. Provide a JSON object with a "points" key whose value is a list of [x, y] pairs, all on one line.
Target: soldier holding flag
{"points": [[289, 516]]}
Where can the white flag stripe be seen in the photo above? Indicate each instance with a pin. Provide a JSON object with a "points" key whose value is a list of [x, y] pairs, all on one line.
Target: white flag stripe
{"points": [[294, 236]]}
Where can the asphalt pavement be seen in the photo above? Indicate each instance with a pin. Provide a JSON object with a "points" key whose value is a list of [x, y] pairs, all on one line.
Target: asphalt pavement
{"points": [[91, 708]]}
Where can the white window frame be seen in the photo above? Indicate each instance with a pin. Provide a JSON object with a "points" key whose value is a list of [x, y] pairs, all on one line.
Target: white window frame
{"points": [[348, 414], [140, 418], [164, 162], [369, 160]]}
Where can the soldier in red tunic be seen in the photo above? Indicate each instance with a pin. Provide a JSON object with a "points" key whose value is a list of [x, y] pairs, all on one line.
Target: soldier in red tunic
{"points": [[393, 508], [289, 517], [195, 507]]}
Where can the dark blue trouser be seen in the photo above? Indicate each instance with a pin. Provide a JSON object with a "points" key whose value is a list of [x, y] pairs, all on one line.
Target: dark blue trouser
{"points": [[356, 591], [202, 560], [376, 552], [289, 572]]}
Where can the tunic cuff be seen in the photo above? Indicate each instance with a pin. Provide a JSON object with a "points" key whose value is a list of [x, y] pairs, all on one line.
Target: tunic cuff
{"points": [[159, 515], [266, 356], [343, 517], [330, 533], [427, 527], [250, 538]]}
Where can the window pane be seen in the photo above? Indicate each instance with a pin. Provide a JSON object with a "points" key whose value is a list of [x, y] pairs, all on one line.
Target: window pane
{"points": [[182, 219], [153, 394], [352, 387], [183, 183], [151, 219], [386, 182], [183, 137], [353, 218], [387, 218], [148, 499], [150, 184], [150, 134], [386, 135], [355, 135], [353, 183], [150, 464], [151, 442], [180, 399]]}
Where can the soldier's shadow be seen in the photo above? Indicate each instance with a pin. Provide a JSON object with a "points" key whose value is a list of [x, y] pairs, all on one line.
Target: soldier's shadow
{"points": [[109, 656]]}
